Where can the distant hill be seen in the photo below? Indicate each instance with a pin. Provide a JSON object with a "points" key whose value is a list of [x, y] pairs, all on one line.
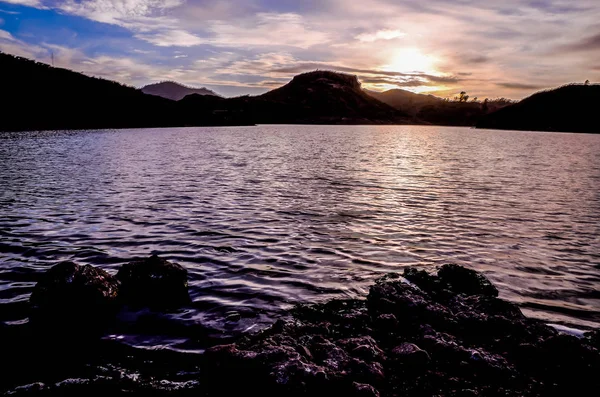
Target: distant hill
{"points": [[37, 96], [174, 91], [319, 97], [571, 108], [406, 100], [435, 110]]}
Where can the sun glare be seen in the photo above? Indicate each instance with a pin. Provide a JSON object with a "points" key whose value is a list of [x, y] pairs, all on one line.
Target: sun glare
{"points": [[409, 60]]}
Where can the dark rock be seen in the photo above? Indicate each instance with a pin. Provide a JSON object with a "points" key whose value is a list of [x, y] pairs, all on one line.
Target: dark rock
{"points": [[410, 355], [466, 281], [364, 390], [154, 283], [593, 337], [445, 335], [363, 347], [422, 279], [409, 304], [435, 336], [387, 322], [451, 280], [72, 295]]}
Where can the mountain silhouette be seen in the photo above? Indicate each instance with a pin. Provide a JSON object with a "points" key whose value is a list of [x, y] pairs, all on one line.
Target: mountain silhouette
{"points": [[174, 91], [40, 97], [406, 100], [37, 96], [319, 97], [430, 109], [571, 108]]}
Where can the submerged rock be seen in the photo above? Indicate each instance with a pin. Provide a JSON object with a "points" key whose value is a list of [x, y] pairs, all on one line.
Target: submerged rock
{"points": [[70, 294], [153, 282], [445, 335]]}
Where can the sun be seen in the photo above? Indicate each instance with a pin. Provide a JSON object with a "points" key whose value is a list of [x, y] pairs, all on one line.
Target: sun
{"points": [[408, 60]]}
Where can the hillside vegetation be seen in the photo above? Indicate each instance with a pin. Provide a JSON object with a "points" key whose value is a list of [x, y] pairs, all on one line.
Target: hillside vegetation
{"points": [[37, 96], [571, 108], [439, 111]]}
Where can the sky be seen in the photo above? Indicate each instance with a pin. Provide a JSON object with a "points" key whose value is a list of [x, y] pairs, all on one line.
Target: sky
{"points": [[488, 48]]}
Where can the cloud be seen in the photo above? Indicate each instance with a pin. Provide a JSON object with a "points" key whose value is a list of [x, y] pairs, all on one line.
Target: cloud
{"points": [[557, 7], [11, 45], [266, 29], [386, 34], [476, 59], [369, 76], [149, 20], [520, 86], [404, 83], [171, 38], [590, 43], [164, 24], [483, 46], [304, 67], [29, 3], [4, 35], [9, 12], [118, 12]]}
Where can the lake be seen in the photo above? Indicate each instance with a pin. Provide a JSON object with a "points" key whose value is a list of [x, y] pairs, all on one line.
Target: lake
{"points": [[265, 217]]}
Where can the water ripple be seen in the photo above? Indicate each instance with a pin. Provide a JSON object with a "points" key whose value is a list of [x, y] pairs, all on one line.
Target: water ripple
{"points": [[263, 217]]}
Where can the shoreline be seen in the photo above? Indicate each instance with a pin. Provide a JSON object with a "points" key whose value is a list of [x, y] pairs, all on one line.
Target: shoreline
{"points": [[415, 334]]}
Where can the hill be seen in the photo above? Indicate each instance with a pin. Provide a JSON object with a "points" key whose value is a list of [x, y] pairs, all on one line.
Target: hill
{"points": [[40, 97], [319, 97], [174, 91], [570, 108], [37, 96], [406, 100], [435, 110]]}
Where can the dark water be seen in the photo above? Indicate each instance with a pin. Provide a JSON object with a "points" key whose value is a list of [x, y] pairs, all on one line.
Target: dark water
{"points": [[263, 217]]}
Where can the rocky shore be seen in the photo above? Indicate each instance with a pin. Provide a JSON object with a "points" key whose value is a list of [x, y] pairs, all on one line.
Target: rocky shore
{"points": [[415, 334]]}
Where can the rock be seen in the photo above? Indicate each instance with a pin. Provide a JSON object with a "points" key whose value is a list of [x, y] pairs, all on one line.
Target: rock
{"points": [[422, 279], [410, 355], [70, 295], [154, 283], [445, 335], [412, 306], [364, 390], [451, 280], [466, 281], [387, 322], [593, 337], [442, 335], [364, 347]]}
